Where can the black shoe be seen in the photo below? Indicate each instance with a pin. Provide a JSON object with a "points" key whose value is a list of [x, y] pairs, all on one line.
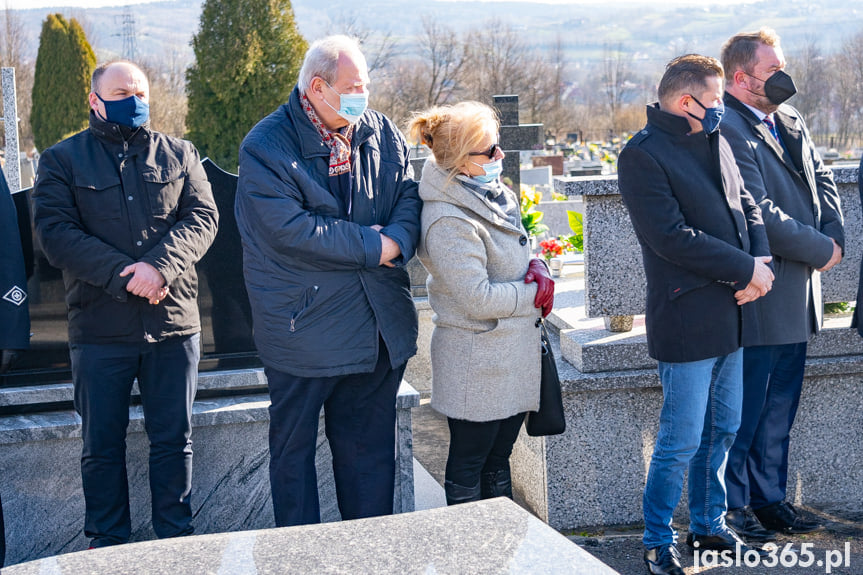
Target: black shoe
{"points": [[456, 493], [783, 517], [496, 484], [727, 541], [746, 524], [663, 560]]}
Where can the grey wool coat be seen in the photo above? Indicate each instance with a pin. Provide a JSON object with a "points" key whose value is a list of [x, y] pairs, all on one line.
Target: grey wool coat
{"points": [[485, 348]]}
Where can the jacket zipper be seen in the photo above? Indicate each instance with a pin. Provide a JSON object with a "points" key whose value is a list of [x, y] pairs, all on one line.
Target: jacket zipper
{"points": [[306, 304]]}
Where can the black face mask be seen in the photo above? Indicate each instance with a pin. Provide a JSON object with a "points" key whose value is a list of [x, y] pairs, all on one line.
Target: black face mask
{"points": [[778, 87]]}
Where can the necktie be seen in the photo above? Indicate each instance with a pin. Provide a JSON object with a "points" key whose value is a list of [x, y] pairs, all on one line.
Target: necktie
{"points": [[772, 127]]}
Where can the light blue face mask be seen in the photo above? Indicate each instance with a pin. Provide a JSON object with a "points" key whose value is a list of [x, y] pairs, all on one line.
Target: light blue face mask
{"points": [[351, 106], [493, 170]]}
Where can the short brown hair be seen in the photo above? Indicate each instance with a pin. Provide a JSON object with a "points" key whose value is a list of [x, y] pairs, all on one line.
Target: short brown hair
{"points": [[738, 53], [452, 132], [687, 73]]}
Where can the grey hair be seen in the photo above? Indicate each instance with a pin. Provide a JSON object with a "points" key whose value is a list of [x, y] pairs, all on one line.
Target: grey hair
{"points": [[322, 59]]}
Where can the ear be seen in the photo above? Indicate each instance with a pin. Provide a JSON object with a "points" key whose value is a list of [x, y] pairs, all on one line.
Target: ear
{"points": [[739, 77], [93, 100], [684, 101], [317, 86]]}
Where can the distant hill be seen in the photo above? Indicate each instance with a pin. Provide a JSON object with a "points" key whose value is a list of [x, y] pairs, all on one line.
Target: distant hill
{"points": [[655, 32]]}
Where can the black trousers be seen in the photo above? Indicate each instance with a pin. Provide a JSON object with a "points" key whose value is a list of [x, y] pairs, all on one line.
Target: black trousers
{"points": [[477, 447], [167, 374], [360, 419]]}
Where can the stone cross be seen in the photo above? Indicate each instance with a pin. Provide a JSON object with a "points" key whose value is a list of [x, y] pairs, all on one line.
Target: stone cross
{"points": [[10, 121], [515, 137]]}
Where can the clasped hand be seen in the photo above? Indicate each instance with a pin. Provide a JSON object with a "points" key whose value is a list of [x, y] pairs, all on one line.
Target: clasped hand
{"points": [[760, 284], [537, 272], [389, 249], [146, 282]]}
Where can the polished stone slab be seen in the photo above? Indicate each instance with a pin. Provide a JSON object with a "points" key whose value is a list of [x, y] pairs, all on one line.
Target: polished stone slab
{"points": [[41, 481], [487, 537], [613, 268]]}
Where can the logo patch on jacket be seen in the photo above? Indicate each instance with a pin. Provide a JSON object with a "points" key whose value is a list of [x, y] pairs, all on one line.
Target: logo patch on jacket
{"points": [[15, 295]]}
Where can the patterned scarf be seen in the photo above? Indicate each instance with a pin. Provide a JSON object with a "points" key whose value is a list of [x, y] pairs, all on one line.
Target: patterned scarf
{"points": [[339, 142]]}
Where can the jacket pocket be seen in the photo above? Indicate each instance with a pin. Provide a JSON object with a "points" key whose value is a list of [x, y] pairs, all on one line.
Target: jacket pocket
{"points": [[98, 198], [163, 190], [303, 304], [684, 284]]}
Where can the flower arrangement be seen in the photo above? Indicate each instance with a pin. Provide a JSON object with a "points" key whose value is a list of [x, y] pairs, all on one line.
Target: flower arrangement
{"points": [[552, 248], [530, 216]]}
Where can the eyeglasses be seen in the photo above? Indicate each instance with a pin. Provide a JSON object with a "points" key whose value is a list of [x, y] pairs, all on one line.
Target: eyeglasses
{"points": [[491, 152]]}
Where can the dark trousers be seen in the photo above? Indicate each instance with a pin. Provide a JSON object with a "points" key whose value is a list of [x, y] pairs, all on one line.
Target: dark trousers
{"points": [[477, 447], [360, 420], [167, 374], [757, 469]]}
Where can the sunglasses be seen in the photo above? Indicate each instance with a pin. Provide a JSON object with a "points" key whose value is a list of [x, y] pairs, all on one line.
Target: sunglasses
{"points": [[491, 152]]}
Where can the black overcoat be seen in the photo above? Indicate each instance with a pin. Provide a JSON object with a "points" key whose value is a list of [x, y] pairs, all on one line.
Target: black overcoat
{"points": [[14, 303], [699, 231]]}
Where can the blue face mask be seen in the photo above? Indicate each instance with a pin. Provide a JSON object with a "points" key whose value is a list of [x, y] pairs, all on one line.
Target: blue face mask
{"points": [[712, 116], [351, 106], [493, 170], [132, 111]]}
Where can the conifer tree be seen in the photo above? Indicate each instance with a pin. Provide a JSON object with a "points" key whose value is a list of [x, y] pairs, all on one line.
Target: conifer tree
{"points": [[61, 83], [247, 57]]}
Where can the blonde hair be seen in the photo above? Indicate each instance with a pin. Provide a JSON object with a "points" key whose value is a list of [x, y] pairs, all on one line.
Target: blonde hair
{"points": [[738, 53], [452, 132]]}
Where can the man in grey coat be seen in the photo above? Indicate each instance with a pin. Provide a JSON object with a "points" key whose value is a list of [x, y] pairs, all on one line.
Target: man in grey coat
{"points": [[329, 215], [802, 216]]}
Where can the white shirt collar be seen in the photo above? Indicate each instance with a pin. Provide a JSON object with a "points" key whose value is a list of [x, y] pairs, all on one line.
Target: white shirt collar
{"points": [[759, 114]]}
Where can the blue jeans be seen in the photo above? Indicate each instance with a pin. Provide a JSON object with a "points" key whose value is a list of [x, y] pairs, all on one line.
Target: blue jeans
{"points": [[757, 472], [700, 415]]}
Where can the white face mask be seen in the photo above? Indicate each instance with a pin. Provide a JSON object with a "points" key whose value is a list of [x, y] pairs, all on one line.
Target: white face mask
{"points": [[351, 106], [493, 170]]}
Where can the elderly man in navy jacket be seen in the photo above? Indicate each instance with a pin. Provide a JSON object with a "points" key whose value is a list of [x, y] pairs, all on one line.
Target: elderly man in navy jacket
{"points": [[329, 216], [705, 255]]}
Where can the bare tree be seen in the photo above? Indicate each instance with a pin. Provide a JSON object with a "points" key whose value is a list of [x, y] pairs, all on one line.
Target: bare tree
{"points": [[168, 101], [811, 74], [616, 82], [444, 57], [379, 50]]}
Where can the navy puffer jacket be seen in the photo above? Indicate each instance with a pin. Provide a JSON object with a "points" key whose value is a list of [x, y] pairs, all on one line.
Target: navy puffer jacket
{"points": [[319, 297]]}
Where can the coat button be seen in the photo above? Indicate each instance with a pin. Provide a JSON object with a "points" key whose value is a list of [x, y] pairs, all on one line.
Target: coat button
{"points": [[523, 240]]}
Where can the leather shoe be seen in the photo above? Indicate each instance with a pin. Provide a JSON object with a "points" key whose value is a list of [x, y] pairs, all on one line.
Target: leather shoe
{"points": [[746, 524], [726, 541], [783, 517], [663, 560]]}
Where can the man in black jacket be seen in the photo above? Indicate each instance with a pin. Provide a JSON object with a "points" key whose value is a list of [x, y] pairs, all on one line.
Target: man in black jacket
{"points": [[329, 217], [126, 212], [803, 219], [705, 256]]}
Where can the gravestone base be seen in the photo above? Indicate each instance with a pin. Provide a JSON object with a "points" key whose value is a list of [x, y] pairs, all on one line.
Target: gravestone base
{"points": [[594, 473], [40, 454]]}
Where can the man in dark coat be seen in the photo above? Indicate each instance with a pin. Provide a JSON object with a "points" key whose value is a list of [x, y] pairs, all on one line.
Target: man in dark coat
{"points": [[14, 308], [705, 256], [329, 216], [125, 212], [802, 216]]}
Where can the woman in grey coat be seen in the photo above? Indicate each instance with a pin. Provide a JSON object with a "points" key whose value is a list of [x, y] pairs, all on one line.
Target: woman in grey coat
{"points": [[487, 294]]}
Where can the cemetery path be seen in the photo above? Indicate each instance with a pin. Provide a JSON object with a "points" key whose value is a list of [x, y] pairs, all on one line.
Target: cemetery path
{"points": [[621, 548]]}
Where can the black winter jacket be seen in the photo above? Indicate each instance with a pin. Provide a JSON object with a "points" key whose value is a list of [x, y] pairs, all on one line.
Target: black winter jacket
{"points": [[319, 297], [699, 231], [102, 202]]}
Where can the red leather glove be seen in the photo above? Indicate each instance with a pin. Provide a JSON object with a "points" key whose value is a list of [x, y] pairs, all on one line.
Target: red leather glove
{"points": [[538, 272]]}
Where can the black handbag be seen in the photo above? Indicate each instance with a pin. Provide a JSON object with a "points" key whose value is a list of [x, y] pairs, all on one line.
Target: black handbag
{"points": [[550, 419]]}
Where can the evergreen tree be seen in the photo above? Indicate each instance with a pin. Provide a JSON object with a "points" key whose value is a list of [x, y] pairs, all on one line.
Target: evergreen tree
{"points": [[61, 83], [247, 57]]}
